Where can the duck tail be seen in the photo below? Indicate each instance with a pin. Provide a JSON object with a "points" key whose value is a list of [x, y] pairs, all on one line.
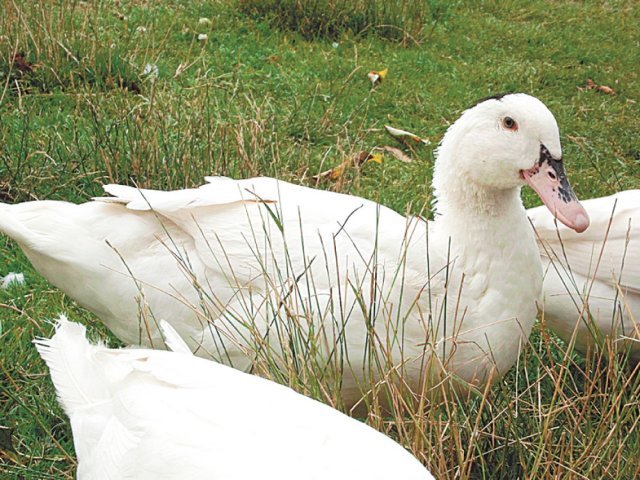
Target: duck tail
{"points": [[76, 375], [11, 227]]}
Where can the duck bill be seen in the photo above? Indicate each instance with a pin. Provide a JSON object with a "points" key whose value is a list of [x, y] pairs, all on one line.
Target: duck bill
{"points": [[549, 180]]}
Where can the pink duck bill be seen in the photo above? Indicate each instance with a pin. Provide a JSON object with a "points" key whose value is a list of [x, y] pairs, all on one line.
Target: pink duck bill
{"points": [[548, 178]]}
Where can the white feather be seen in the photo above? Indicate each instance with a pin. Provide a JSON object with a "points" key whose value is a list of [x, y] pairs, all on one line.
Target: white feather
{"points": [[76, 387], [173, 340], [12, 278]]}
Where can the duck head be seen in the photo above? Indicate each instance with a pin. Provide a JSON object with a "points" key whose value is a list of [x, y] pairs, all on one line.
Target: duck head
{"points": [[503, 143]]}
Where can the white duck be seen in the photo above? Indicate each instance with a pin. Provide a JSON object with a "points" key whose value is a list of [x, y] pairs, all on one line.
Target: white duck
{"points": [[288, 265], [592, 280], [149, 414]]}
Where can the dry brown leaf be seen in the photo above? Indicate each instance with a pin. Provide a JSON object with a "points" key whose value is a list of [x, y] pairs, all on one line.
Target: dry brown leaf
{"points": [[7, 448], [396, 153], [404, 137], [336, 173], [332, 174], [6, 439], [376, 154], [591, 85], [21, 64], [360, 158]]}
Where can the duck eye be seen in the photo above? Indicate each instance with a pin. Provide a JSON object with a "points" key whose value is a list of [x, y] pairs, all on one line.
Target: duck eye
{"points": [[510, 124]]}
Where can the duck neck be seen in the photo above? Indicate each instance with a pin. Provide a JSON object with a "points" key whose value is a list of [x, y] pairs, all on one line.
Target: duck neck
{"points": [[470, 212], [469, 201]]}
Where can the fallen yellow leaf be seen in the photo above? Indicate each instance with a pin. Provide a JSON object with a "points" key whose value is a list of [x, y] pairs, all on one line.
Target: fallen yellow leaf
{"points": [[357, 160], [376, 157], [377, 76]]}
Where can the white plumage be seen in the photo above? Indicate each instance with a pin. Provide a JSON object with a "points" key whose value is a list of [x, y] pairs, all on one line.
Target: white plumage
{"points": [[349, 276], [148, 414], [592, 280]]}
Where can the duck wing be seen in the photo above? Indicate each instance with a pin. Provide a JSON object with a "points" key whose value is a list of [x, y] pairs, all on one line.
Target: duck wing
{"points": [[608, 251], [261, 234]]}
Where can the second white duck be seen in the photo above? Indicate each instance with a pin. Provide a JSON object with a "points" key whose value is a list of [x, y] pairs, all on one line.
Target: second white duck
{"points": [[592, 280]]}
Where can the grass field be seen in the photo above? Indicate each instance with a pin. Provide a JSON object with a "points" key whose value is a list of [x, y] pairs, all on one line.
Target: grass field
{"points": [[129, 92]]}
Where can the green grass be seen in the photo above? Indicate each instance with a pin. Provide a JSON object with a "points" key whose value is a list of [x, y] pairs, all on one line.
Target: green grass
{"points": [[258, 99], [397, 20]]}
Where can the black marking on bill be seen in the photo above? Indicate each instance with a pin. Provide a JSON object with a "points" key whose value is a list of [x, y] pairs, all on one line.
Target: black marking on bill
{"points": [[565, 192]]}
